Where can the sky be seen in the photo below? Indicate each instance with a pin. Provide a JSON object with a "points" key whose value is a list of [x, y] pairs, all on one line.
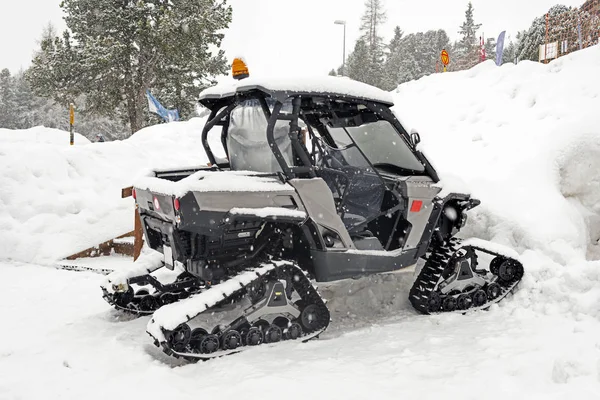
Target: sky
{"points": [[291, 37]]}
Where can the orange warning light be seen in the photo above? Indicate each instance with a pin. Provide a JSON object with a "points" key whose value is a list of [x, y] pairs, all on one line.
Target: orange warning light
{"points": [[239, 70]]}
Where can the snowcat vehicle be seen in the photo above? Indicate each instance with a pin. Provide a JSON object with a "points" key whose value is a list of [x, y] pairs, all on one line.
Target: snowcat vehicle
{"points": [[320, 183]]}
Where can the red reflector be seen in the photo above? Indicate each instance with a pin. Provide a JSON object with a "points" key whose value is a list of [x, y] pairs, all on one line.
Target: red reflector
{"points": [[134, 194], [416, 206], [176, 204]]}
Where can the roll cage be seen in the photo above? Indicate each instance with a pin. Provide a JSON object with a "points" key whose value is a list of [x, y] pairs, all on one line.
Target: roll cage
{"points": [[319, 113], [310, 108]]}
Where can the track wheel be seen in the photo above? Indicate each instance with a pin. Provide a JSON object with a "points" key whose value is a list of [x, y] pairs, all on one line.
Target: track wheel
{"points": [[231, 340], [142, 292], [495, 264], [273, 334], [493, 291], [168, 298], [449, 304], [434, 303], [196, 339], [309, 317], [254, 337], [294, 331], [209, 344], [508, 270], [463, 302], [479, 298], [180, 337], [123, 298], [148, 303]]}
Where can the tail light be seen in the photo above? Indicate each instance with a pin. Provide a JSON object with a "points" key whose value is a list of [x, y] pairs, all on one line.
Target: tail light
{"points": [[416, 206], [176, 204], [134, 194]]}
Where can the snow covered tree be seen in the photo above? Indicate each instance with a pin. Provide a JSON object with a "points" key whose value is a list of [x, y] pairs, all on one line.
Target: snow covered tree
{"points": [[358, 63], [413, 56], [371, 23], [509, 54], [332, 72], [490, 48], [530, 40], [113, 51], [7, 100], [467, 48]]}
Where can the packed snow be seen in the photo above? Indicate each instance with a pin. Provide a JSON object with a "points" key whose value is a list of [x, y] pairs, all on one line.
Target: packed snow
{"points": [[321, 84], [57, 200], [524, 139], [266, 212], [211, 181]]}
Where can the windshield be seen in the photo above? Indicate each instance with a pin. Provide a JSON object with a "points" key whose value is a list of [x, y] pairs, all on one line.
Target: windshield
{"points": [[381, 144]]}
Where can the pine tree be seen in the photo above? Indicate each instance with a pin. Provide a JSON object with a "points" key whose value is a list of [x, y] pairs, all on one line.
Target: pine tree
{"points": [[508, 56], [7, 100], [413, 56], [113, 51], [467, 48], [371, 23], [490, 48], [392, 72], [529, 42], [332, 72], [358, 62]]}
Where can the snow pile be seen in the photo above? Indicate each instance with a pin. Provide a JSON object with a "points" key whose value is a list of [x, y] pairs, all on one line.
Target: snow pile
{"points": [[58, 199], [525, 140], [40, 134]]}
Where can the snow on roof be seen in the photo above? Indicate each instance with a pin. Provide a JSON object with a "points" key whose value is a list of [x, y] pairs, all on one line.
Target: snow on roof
{"points": [[323, 84], [213, 181]]}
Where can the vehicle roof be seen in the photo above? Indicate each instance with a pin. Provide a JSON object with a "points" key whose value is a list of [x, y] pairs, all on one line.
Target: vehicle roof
{"points": [[282, 88]]}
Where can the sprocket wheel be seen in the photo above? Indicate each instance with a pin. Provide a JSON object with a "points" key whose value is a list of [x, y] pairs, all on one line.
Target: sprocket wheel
{"points": [[435, 302], [180, 337]]}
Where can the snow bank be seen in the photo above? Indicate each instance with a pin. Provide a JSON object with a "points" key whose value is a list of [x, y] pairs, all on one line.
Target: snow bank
{"points": [[40, 134], [524, 139], [56, 199]]}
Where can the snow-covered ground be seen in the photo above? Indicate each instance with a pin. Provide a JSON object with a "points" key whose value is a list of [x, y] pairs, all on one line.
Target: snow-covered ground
{"points": [[57, 200], [525, 139]]}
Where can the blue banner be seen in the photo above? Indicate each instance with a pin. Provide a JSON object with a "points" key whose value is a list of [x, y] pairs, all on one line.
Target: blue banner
{"points": [[155, 107], [500, 48]]}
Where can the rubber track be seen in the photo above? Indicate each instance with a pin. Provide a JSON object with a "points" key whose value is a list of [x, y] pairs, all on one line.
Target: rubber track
{"points": [[302, 285], [133, 307], [435, 265]]}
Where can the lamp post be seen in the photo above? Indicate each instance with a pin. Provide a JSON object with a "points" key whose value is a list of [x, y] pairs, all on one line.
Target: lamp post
{"points": [[341, 22]]}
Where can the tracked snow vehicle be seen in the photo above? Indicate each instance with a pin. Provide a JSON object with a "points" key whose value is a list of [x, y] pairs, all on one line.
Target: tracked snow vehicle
{"points": [[319, 182]]}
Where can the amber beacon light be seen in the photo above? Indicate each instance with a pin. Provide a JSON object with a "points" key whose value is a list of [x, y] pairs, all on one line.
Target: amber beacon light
{"points": [[239, 69]]}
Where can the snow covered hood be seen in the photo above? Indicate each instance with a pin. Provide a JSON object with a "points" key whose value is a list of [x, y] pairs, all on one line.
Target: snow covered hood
{"points": [[331, 85], [213, 181]]}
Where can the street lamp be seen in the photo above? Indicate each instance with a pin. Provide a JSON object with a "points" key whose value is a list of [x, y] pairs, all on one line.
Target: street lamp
{"points": [[341, 22]]}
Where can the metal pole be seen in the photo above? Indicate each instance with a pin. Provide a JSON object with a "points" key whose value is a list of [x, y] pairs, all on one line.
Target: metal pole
{"points": [[344, 53], [546, 40], [342, 22], [71, 123]]}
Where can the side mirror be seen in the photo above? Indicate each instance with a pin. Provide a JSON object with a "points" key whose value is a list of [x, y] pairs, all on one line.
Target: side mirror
{"points": [[415, 138]]}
